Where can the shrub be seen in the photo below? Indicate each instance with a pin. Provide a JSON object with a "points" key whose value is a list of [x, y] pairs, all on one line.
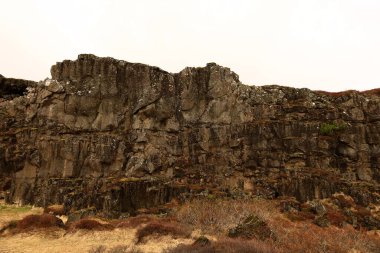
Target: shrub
{"points": [[251, 227], [39, 221], [202, 241], [331, 128], [161, 228], [218, 216]]}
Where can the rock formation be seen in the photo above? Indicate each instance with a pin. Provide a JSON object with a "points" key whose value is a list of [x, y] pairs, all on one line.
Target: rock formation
{"points": [[118, 136], [11, 88]]}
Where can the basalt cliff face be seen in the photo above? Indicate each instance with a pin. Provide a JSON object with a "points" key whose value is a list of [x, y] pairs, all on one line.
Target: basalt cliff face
{"points": [[118, 136]]}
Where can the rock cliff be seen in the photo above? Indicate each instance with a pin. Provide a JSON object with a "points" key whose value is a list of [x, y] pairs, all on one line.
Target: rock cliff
{"points": [[118, 136]]}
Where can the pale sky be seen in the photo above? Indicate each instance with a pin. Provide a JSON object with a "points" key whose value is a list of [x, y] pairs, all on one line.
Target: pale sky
{"points": [[318, 44]]}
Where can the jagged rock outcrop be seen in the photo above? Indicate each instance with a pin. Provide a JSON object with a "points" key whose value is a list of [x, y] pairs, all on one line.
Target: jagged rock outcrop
{"points": [[101, 126], [11, 88]]}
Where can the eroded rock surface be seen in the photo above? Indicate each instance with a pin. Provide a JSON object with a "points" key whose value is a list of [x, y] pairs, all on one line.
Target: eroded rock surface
{"points": [[100, 122], [11, 88]]}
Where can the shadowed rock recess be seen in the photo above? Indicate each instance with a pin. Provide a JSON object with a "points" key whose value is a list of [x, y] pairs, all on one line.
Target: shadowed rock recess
{"points": [[119, 136]]}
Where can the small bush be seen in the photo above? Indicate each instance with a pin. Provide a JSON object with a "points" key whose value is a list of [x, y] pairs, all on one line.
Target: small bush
{"points": [[202, 241], [39, 221], [251, 227], [331, 128], [218, 216], [159, 228], [89, 224]]}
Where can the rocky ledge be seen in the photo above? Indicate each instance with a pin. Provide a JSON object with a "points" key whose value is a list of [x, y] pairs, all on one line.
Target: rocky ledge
{"points": [[118, 136]]}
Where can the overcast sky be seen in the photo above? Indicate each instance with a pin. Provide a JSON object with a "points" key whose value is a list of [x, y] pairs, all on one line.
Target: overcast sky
{"points": [[319, 44]]}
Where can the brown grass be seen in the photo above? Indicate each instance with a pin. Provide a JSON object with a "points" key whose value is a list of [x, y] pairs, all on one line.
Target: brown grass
{"points": [[98, 249], [89, 224], [157, 228], [300, 216], [226, 245], [76, 242], [116, 249]]}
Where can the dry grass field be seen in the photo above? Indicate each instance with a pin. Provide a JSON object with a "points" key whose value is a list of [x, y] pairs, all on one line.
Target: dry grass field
{"points": [[197, 226]]}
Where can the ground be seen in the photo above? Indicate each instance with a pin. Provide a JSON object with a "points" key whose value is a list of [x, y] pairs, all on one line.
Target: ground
{"points": [[200, 225]]}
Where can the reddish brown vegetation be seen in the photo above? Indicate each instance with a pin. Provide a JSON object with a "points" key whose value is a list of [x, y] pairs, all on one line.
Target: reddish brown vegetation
{"points": [[375, 92], [306, 237], [219, 216], [300, 216], [39, 221], [336, 218], [134, 222], [161, 228]]}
